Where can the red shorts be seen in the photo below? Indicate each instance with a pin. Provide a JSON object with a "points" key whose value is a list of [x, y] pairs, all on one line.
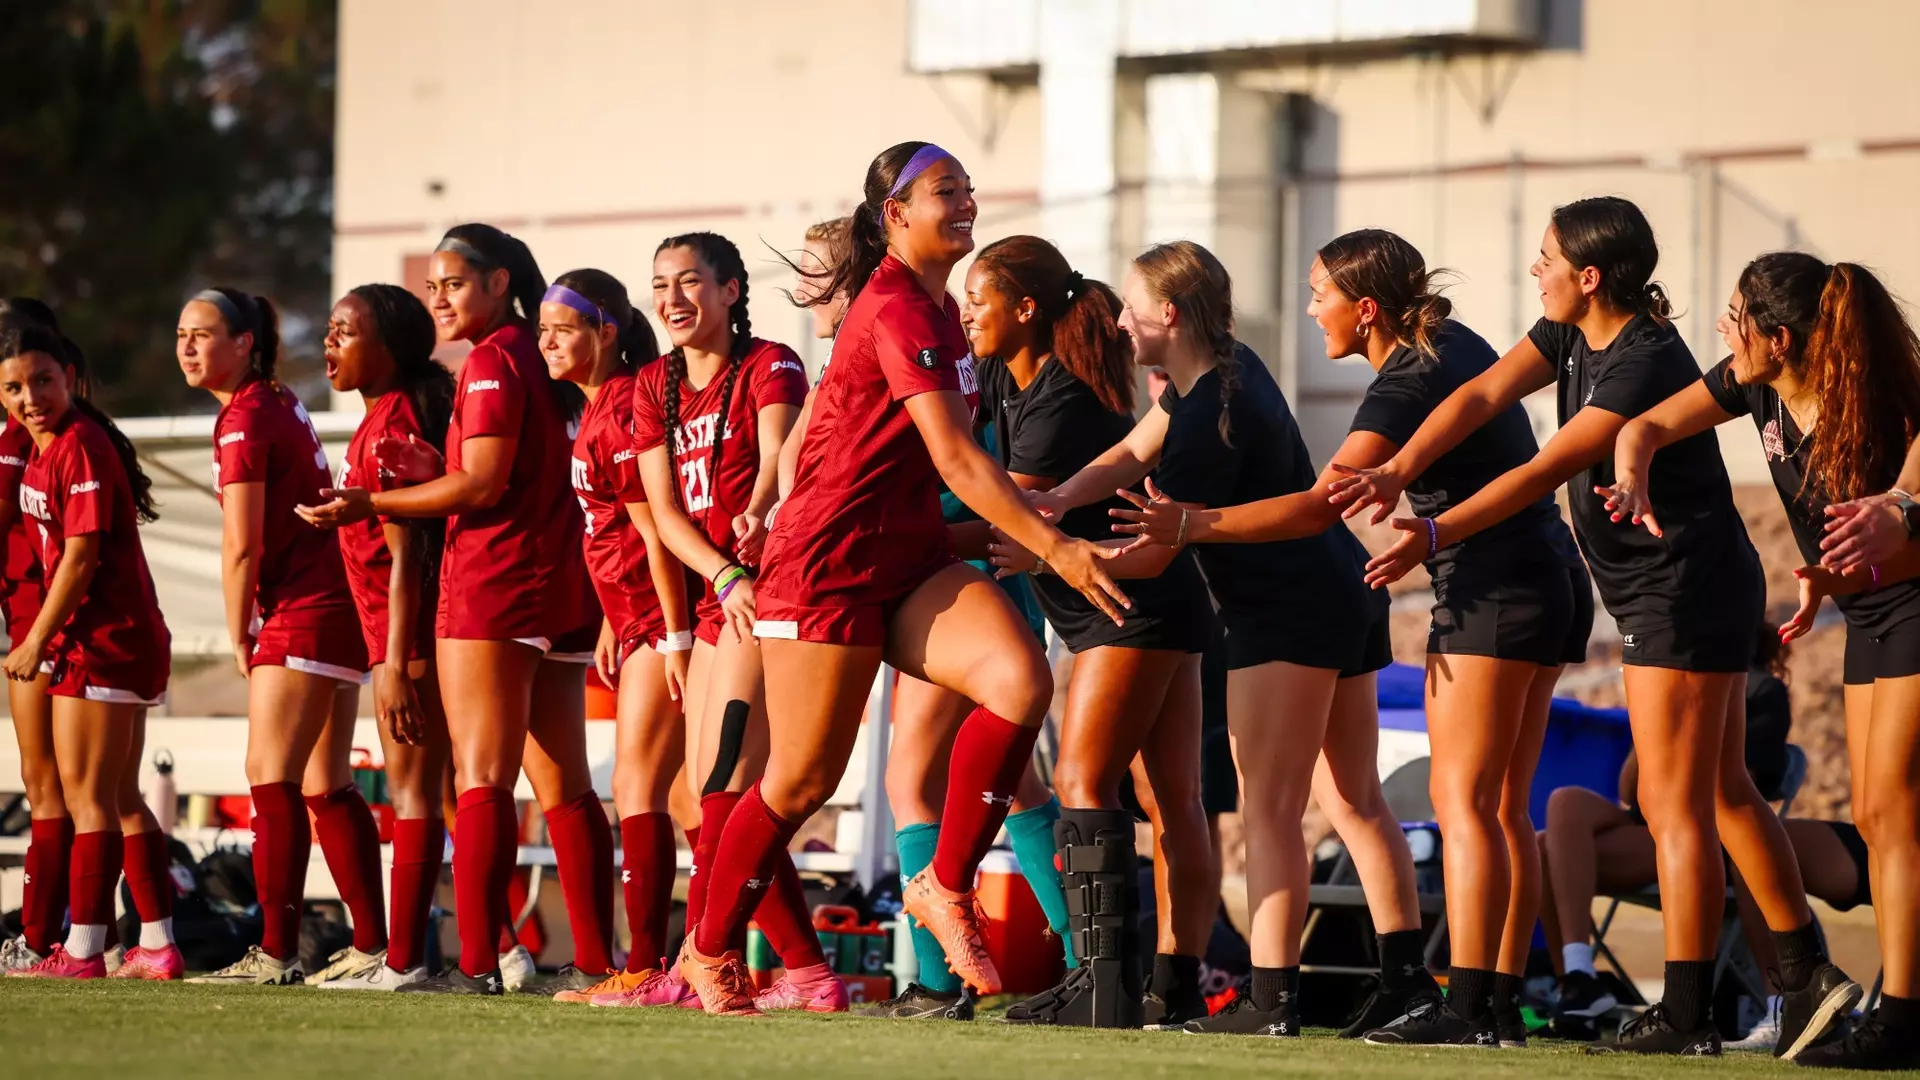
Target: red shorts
{"points": [[855, 624], [140, 680], [576, 646], [709, 618], [319, 641], [22, 606]]}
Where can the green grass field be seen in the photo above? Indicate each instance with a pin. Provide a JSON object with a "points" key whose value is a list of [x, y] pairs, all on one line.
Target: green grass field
{"points": [[156, 1032]]}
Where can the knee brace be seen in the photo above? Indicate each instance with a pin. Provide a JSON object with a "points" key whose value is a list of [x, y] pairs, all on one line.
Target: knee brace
{"points": [[733, 732]]}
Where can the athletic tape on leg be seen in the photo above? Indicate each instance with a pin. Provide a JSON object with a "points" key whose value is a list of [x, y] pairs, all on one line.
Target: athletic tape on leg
{"points": [[733, 732]]}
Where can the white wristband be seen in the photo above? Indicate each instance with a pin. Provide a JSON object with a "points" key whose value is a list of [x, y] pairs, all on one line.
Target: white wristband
{"points": [[676, 641]]}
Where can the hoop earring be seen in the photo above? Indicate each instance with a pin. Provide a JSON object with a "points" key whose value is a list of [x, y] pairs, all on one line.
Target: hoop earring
{"points": [[1365, 329]]}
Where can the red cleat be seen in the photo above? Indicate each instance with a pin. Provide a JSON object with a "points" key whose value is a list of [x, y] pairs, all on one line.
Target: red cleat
{"points": [[822, 993], [61, 964], [722, 982], [153, 965]]}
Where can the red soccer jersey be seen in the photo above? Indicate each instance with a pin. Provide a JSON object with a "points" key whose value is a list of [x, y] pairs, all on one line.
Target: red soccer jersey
{"points": [[22, 566], [862, 524], [364, 543], [78, 486], [264, 436], [770, 374], [512, 570], [606, 476]]}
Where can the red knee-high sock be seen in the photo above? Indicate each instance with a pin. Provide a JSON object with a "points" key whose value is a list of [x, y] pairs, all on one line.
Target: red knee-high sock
{"points": [[419, 846], [583, 847], [484, 844], [350, 840], [97, 858], [646, 880], [696, 882], [281, 843], [989, 754], [715, 809], [149, 875], [783, 915], [742, 870], [43, 903]]}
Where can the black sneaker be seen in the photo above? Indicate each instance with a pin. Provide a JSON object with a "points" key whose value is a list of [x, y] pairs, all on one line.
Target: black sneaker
{"points": [[1652, 1032], [455, 981], [1385, 1006], [1870, 1045], [1510, 1026], [1172, 1012], [1240, 1017], [1811, 1015], [1434, 1024], [917, 1002], [1582, 1002]]}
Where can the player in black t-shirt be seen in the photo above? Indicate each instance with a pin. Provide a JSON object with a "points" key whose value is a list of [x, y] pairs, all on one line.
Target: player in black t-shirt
{"points": [[1828, 368], [1511, 606], [1687, 602], [1304, 635], [1056, 381]]}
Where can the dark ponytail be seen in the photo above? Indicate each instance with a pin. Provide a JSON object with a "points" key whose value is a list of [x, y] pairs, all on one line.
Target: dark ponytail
{"points": [[245, 313], [405, 330], [866, 242], [1194, 281], [722, 258], [19, 337], [1077, 319], [635, 338], [1383, 265], [487, 249], [1613, 236]]}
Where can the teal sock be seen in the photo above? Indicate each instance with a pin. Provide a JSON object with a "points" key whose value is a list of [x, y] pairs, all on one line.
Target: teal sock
{"points": [[915, 844], [1032, 834]]}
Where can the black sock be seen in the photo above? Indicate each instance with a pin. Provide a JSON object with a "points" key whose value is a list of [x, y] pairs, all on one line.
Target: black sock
{"points": [[1270, 983], [1800, 954], [1689, 993], [1173, 974], [1506, 993], [1900, 1016], [1470, 993], [1402, 959]]}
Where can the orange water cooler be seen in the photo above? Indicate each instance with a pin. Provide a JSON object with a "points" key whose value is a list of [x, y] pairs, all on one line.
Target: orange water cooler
{"points": [[1024, 949]]}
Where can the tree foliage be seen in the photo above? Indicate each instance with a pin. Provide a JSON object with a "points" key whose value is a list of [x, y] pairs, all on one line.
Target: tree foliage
{"points": [[153, 147]]}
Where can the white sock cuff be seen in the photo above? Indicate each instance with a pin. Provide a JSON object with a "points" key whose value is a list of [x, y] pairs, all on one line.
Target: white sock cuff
{"points": [[156, 935], [1577, 957], [86, 942]]}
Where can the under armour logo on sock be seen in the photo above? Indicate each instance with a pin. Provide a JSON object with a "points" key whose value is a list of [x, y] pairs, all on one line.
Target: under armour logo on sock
{"points": [[755, 883], [991, 799], [26, 879], [626, 877]]}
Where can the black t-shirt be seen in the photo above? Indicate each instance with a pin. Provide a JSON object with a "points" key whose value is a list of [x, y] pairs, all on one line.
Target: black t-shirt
{"points": [[1054, 428], [1408, 387], [1297, 585], [1705, 556], [1788, 452]]}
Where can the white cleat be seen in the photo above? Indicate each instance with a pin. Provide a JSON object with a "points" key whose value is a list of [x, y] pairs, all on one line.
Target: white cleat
{"points": [[15, 955], [516, 967], [1764, 1036], [256, 969], [347, 963], [378, 977]]}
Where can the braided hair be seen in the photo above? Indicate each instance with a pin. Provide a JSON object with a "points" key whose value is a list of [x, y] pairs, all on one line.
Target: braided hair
{"points": [[720, 256], [405, 330], [19, 337]]}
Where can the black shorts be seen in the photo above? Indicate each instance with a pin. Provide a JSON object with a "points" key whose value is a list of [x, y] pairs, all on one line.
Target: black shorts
{"points": [[1171, 612], [1219, 782], [1894, 654], [1856, 846], [1537, 611], [1352, 651], [1713, 637]]}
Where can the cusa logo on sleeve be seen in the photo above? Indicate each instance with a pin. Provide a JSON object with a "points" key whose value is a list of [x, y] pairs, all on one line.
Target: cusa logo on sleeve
{"points": [[84, 487], [232, 437], [478, 385], [784, 364]]}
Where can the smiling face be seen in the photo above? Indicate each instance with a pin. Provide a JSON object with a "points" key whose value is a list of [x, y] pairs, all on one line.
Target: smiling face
{"points": [[211, 356], [571, 344], [1565, 289], [1757, 357], [996, 325], [1147, 319], [687, 297], [815, 259], [935, 223], [464, 302], [356, 358], [1338, 315], [37, 391]]}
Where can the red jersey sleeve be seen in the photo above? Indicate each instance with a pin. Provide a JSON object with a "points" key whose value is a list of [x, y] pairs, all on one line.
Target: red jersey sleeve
{"points": [[82, 492], [624, 476], [398, 423], [778, 378], [649, 410], [243, 447], [493, 397], [906, 340], [16, 449]]}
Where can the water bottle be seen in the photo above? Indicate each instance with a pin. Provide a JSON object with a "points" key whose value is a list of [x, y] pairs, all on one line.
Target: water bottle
{"points": [[163, 798]]}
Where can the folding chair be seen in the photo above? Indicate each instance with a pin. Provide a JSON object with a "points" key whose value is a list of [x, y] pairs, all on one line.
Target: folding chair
{"points": [[1729, 955]]}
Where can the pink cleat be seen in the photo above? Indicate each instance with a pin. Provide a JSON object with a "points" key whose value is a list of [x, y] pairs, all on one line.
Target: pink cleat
{"points": [[816, 990], [666, 989], [61, 964], [153, 965]]}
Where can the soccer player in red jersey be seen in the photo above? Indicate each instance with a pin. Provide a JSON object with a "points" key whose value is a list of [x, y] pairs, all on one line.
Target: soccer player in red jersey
{"points": [[98, 635], [860, 569], [593, 338], [380, 342], [295, 636], [509, 590], [709, 424]]}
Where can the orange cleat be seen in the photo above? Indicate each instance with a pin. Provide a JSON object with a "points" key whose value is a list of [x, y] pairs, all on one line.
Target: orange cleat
{"points": [[956, 921], [153, 965], [722, 982], [617, 983]]}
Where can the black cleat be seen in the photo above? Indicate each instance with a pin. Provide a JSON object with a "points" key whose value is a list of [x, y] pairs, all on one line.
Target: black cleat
{"points": [[1813, 1014], [1871, 1045], [1510, 1026], [1652, 1032], [569, 978], [455, 981], [1240, 1017], [917, 1002], [1384, 1006], [1172, 1012], [1433, 1024], [1583, 1001]]}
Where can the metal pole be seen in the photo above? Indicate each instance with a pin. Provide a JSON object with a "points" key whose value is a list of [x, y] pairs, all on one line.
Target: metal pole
{"points": [[877, 858]]}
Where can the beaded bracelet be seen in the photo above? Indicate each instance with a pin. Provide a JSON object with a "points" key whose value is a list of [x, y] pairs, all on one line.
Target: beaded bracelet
{"points": [[1433, 537]]}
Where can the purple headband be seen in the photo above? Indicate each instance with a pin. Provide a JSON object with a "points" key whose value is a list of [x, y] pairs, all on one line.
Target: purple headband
{"points": [[916, 165], [560, 294]]}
